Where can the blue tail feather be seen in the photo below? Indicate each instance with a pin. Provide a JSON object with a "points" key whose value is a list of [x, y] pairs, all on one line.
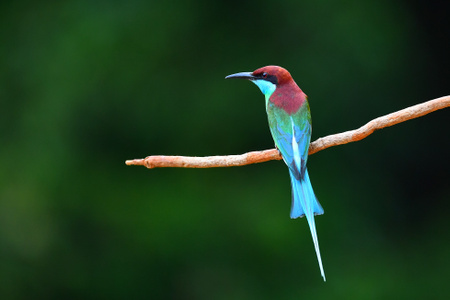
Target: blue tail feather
{"points": [[304, 203], [303, 196]]}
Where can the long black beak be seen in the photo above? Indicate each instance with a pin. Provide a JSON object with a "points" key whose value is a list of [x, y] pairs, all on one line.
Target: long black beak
{"points": [[242, 75]]}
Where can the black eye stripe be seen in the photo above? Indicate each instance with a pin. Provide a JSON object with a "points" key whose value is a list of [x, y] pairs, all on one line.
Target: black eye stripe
{"points": [[272, 78], [266, 76]]}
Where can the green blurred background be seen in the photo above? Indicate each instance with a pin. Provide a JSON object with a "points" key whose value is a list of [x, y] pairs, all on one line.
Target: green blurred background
{"points": [[86, 85]]}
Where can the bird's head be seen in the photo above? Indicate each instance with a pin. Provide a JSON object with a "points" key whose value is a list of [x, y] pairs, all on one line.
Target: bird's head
{"points": [[266, 78]]}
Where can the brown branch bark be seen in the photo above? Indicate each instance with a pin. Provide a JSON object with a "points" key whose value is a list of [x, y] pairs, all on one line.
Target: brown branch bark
{"points": [[412, 112]]}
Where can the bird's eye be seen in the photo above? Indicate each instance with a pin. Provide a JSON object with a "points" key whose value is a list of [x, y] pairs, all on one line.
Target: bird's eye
{"points": [[264, 75]]}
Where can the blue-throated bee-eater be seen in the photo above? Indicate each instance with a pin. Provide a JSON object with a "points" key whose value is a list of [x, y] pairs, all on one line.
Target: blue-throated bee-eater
{"points": [[290, 124]]}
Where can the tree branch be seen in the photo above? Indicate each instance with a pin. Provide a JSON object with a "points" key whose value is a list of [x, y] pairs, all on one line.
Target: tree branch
{"points": [[412, 112]]}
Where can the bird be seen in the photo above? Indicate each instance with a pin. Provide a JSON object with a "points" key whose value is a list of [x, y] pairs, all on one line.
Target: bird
{"points": [[289, 120]]}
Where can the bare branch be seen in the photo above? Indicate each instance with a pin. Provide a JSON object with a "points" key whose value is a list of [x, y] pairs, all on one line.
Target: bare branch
{"points": [[254, 157]]}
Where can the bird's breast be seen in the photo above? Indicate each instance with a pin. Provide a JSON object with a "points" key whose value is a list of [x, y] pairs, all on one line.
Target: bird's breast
{"points": [[289, 101]]}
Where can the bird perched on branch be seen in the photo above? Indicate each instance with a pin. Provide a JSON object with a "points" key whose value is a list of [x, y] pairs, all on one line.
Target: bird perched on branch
{"points": [[290, 124]]}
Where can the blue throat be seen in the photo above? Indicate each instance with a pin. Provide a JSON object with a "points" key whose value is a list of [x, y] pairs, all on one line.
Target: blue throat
{"points": [[266, 87]]}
